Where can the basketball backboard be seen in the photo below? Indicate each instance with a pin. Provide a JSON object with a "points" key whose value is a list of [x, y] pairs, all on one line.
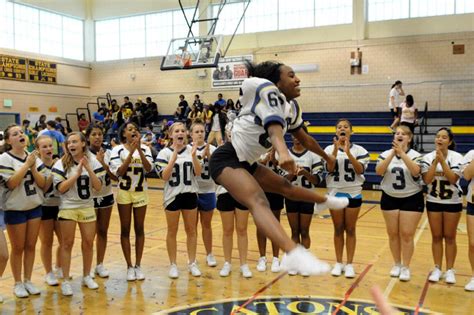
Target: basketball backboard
{"points": [[193, 53]]}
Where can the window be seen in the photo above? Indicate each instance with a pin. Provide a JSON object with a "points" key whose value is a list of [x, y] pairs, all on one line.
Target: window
{"points": [[261, 16], [273, 15], [141, 36], [107, 37], [73, 38], [333, 12], [39, 31], [132, 37], [379, 10], [26, 28], [6, 24]]}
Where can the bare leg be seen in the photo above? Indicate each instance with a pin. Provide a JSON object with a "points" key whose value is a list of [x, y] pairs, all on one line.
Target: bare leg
{"points": [[68, 231], [275, 247], [172, 222], [125, 214], [3, 253], [294, 220], [305, 223], [103, 221], [46, 236], [227, 218], [408, 222], [190, 225], [450, 224], [436, 225], [338, 218], [350, 222], [470, 232], [206, 221], [391, 218], [17, 237], [139, 226], [87, 245], [241, 223]]}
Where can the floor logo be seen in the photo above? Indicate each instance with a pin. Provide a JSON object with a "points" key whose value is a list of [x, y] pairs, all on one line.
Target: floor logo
{"points": [[285, 305]]}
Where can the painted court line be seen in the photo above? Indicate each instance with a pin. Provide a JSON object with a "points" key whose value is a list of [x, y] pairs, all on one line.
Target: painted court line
{"points": [[423, 295], [260, 291], [352, 288], [393, 281]]}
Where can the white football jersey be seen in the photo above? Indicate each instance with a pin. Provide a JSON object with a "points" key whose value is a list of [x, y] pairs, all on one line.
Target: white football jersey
{"points": [[262, 104], [309, 161], [220, 190], [440, 190], [344, 179], [468, 158], [27, 195], [51, 197], [107, 184], [81, 194], [182, 179], [134, 179], [205, 182], [397, 180]]}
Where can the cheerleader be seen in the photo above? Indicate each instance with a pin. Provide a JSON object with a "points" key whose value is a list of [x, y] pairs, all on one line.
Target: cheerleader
{"points": [[104, 200], [179, 167], [402, 200], [76, 176], [345, 179], [441, 172], [49, 219], [468, 174], [129, 162], [22, 206], [276, 205], [309, 175], [207, 188]]}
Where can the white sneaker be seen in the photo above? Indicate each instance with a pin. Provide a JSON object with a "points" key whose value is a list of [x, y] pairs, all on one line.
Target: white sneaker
{"points": [[194, 269], [31, 288], [333, 203], [59, 273], [211, 260], [87, 281], [131, 276], [20, 290], [292, 272], [395, 271], [262, 264], [470, 285], [139, 275], [50, 279], [435, 275], [101, 271], [275, 265], [173, 273], [450, 276], [405, 274], [226, 269], [245, 271], [349, 271], [66, 288], [337, 269], [302, 261]]}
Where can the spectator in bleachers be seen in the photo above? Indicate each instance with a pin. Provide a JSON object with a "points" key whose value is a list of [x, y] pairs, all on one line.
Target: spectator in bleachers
{"points": [[408, 113], [182, 110], [99, 115], [59, 125], [393, 102], [58, 137], [42, 120], [194, 115], [197, 102], [220, 101], [151, 111], [217, 125], [83, 123], [137, 115], [127, 103]]}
